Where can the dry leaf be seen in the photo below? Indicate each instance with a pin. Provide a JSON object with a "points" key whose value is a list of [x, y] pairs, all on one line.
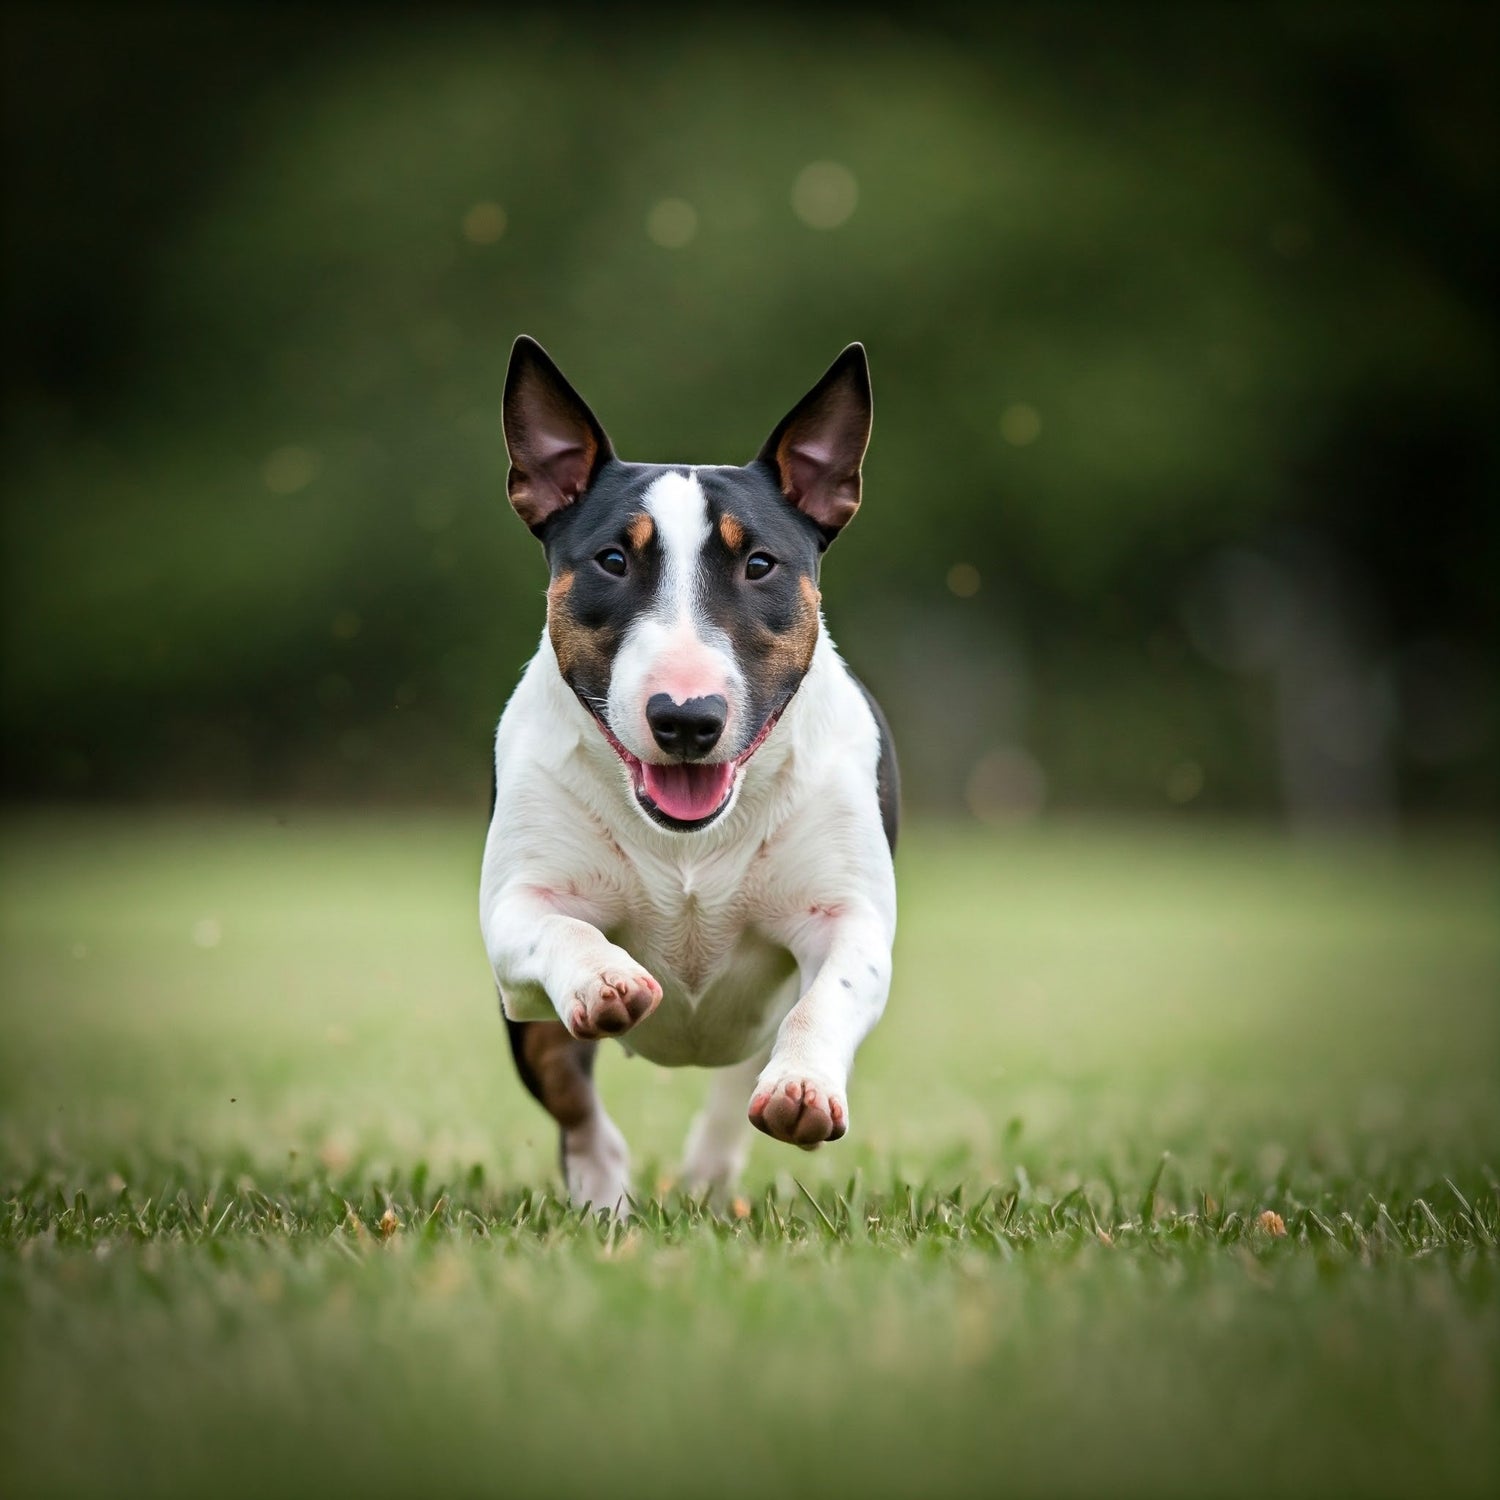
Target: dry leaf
{"points": [[390, 1222], [1273, 1224]]}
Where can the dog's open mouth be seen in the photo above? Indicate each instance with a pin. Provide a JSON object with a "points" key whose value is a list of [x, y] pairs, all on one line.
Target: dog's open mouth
{"points": [[689, 795], [684, 794]]}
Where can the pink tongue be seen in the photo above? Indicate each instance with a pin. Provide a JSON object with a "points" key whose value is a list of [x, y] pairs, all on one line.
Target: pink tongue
{"points": [[687, 793]]}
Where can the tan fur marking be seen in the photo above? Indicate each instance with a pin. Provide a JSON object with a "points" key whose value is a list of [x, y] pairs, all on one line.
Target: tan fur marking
{"points": [[640, 531], [732, 532], [789, 654], [572, 643], [804, 636], [556, 1059]]}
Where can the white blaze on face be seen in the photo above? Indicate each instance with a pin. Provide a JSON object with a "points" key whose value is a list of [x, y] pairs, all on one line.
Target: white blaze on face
{"points": [[672, 649]]}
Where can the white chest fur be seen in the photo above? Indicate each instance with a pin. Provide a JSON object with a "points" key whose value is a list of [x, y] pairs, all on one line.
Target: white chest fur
{"points": [[698, 924], [718, 916]]}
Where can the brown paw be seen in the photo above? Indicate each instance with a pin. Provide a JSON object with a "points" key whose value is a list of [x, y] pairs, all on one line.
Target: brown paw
{"points": [[611, 1003], [799, 1112]]}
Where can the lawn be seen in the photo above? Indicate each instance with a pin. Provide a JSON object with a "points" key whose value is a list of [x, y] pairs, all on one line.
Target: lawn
{"points": [[1172, 1172]]}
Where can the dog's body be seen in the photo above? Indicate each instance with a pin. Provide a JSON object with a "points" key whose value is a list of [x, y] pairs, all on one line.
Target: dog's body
{"points": [[695, 800]]}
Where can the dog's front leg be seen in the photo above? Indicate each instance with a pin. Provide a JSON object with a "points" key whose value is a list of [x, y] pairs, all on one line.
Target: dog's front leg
{"points": [[596, 987], [801, 1095], [719, 1139]]}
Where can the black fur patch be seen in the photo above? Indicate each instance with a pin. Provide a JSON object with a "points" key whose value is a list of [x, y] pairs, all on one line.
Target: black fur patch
{"points": [[887, 772]]}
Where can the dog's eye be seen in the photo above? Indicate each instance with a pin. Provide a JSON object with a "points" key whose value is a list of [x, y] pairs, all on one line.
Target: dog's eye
{"points": [[612, 560], [758, 564]]}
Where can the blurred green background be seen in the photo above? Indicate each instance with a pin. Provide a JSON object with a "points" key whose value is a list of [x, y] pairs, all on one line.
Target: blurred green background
{"points": [[1181, 322], [1180, 531]]}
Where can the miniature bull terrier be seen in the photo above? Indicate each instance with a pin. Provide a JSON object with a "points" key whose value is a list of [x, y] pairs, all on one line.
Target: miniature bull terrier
{"points": [[695, 800]]}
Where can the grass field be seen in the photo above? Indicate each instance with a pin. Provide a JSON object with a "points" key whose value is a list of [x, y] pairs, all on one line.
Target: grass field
{"points": [[278, 1219]]}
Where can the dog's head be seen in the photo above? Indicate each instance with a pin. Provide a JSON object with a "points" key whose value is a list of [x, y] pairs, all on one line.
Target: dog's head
{"points": [[683, 606]]}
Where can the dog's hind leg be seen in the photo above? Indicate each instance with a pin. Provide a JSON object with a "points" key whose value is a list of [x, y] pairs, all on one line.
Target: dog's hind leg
{"points": [[558, 1069], [719, 1139]]}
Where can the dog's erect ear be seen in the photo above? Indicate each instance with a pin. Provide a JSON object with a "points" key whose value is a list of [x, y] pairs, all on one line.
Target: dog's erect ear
{"points": [[556, 443], [817, 448]]}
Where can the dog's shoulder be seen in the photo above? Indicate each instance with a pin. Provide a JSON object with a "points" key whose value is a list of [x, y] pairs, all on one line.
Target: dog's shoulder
{"points": [[860, 738], [887, 771]]}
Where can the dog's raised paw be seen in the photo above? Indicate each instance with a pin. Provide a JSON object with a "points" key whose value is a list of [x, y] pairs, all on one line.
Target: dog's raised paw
{"points": [[610, 1002], [799, 1111]]}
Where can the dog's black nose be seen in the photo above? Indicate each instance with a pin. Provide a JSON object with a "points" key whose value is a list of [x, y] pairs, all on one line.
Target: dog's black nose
{"points": [[688, 729]]}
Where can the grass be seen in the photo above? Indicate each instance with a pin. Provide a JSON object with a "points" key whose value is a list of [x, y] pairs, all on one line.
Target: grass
{"points": [[278, 1216]]}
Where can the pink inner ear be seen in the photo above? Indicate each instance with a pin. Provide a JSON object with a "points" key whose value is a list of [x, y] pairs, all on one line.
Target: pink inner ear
{"points": [[806, 468], [817, 448], [554, 442], [813, 451], [570, 474], [556, 473], [819, 484], [549, 446], [566, 464]]}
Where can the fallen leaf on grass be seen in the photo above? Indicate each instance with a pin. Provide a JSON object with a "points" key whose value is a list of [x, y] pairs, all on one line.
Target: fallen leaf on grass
{"points": [[390, 1222], [1273, 1224]]}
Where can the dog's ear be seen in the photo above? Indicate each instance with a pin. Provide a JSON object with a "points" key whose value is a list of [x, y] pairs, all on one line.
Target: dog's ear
{"points": [[817, 448], [556, 443]]}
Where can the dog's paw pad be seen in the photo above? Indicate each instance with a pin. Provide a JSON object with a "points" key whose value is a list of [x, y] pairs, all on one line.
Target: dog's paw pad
{"points": [[611, 1002], [800, 1112]]}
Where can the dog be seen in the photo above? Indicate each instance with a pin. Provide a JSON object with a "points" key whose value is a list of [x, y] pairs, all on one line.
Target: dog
{"points": [[695, 801]]}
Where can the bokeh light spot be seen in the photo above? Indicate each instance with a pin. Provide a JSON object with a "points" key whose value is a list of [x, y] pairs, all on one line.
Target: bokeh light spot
{"points": [[963, 580], [287, 470], [824, 194], [1020, 424], [672, 223], [1184, 781], [1006, 786], [484, 223]]}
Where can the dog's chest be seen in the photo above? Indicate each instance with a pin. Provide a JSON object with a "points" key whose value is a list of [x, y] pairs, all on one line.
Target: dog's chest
{"points": [[694, 926]]}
